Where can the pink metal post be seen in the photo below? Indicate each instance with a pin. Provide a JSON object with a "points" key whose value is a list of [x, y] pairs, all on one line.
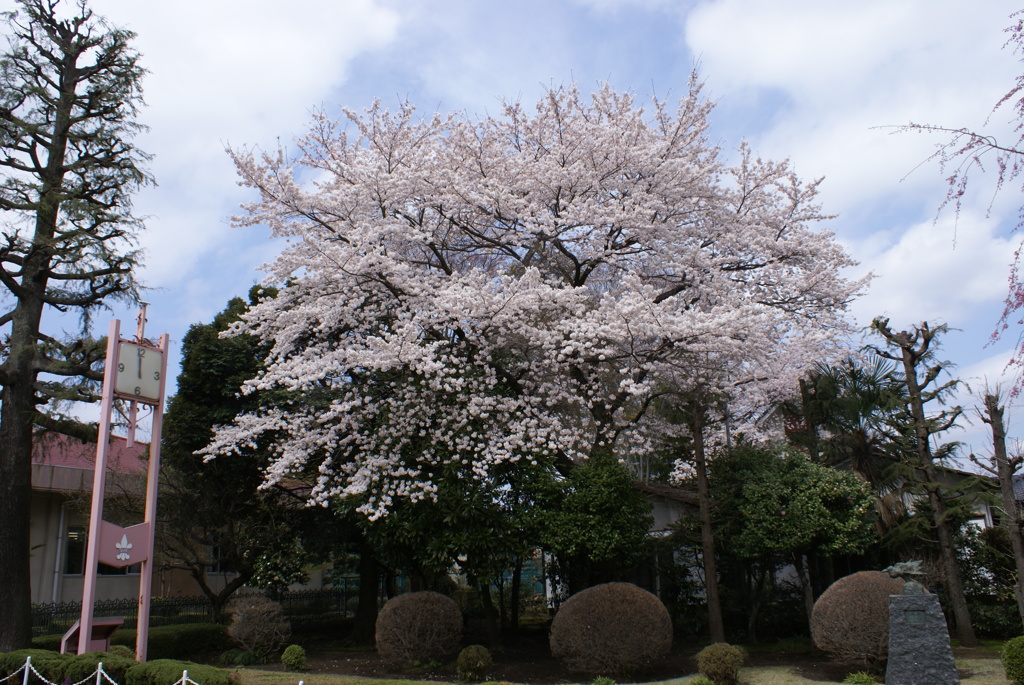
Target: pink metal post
{"points": [[107, 542], [98, 480], [152, 482]]}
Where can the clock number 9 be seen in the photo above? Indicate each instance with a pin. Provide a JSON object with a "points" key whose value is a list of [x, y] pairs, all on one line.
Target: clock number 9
{"points": [[120, 367]]}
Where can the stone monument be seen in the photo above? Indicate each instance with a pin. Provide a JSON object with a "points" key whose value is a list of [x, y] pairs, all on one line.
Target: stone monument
{"points": [[919, 649]]}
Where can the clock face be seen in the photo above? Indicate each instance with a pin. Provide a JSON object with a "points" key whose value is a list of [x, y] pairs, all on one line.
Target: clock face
{"points": [[138, 371]]}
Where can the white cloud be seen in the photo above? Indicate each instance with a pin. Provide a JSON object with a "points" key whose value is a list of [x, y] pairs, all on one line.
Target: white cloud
{"points": [[920, 275], [232, 71], [843, 70]]}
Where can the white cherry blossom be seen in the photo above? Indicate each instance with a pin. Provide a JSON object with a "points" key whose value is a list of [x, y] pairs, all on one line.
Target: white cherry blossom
{"points": [[521, 287]]}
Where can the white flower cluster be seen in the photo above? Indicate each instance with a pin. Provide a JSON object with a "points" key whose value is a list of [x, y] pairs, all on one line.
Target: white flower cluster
{"points": [[479, 292]]}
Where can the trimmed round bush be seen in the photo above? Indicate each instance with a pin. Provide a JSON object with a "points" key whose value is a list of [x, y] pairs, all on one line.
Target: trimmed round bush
{"points": [[850, 620], [294, 658], [1013, 660], [418, 626], [721, 663], [473, 663], [258, 624], [168, 672], [611, 629], [122, 650]]}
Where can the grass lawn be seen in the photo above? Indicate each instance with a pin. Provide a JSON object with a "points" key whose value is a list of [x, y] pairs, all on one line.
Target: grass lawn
{"points": [[983, 672]]}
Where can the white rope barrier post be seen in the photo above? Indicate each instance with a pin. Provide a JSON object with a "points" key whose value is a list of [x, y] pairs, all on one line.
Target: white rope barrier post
{"points": [[28, 669], [99, 674], [184, 677]]}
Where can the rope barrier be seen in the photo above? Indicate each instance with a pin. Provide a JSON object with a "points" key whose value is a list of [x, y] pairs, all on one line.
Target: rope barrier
{"points": [[27, 669]]}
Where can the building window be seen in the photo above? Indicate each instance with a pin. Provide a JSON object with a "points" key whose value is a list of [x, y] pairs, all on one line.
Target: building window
{"points": [[74, 551], [74, 556], [220, 563]]}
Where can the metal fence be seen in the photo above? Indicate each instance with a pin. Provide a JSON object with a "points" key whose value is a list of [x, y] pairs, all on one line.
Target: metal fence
{"points": [[300, 606]]}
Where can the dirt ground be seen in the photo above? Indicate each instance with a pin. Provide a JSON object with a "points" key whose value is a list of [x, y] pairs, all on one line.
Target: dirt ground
{"points": [[531, 663]]}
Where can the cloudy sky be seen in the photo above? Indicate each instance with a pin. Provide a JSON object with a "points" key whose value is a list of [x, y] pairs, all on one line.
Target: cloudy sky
{"points": [[819, 82]]}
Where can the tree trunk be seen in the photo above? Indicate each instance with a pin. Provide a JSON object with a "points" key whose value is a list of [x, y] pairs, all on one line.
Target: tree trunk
{"points": [[513, 609], [756, 596], [803, 573], [716, 626], [490, 615], [1004, 472], [15, 496], [218, 598], [364, 630], [17, 420]]}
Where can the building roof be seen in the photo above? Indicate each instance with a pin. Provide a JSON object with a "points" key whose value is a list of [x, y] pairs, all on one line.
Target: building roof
{"points": [[60, 450], [64, 464]]}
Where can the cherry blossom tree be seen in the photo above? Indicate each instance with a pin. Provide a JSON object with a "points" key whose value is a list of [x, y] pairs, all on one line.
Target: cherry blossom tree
{"points": [[523, 288]]}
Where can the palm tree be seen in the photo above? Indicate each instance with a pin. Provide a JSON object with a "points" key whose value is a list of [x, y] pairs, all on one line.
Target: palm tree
{"points": [[848, 417]]}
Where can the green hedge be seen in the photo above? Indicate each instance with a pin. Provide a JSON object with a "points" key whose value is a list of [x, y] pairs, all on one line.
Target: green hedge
{"points": [[168, 672], [60, 668], [47, 642], [65, 668], [50, 664], [81, 666], [180, 641]]}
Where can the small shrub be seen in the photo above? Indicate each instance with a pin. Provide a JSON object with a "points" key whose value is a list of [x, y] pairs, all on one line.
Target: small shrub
{"points": [[418, 626], [611, 629], [82, 666], [721, 663], [473, 663], [294, 658], [850, 620], [1013, 660], [602, 680], [860, 678], [168, 672], [701, 680], [122, 651], [258, 624]]}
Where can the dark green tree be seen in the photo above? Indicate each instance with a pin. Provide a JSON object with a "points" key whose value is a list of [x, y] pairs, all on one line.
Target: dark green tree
{"points": [[794, 509], [775, 507], [594, 522], [482, 527], [70, 89], [212, 513]]}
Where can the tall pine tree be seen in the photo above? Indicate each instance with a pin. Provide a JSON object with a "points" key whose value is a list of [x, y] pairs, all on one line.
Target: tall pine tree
{"points": [[69, 95]]}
